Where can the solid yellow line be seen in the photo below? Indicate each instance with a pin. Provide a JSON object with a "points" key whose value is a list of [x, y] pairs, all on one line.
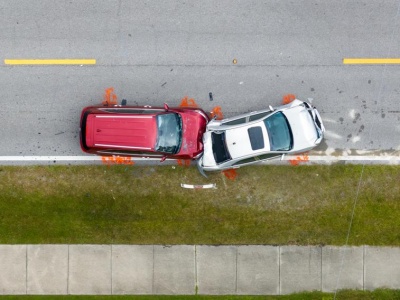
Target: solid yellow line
{"points": [[370, 61], [50, 61]]}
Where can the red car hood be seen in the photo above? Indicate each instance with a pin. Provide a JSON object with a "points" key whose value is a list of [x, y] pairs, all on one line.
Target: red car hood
{"points": [[193, 127]]}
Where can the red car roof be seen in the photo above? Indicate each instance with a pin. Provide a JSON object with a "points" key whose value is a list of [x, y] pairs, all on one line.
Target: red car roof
{"points": [[119, 131]]}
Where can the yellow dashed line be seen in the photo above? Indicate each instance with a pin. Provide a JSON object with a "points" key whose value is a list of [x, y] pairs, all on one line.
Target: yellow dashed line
{"points": [[370, 61], [50, 61]]}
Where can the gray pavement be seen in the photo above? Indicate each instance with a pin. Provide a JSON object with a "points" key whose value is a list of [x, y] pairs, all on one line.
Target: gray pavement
{"points": [[153, 53], [156, 52], [194, 269]]}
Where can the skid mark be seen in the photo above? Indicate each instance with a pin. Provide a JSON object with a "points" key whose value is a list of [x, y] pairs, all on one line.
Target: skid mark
{"points": [[286, 99], [109, 98], [303, 157], [231, 174], [183, 162], [117, 160], [217, 112], [188, 102]]}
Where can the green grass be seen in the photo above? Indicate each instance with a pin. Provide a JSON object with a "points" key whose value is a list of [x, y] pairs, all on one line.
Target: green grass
{"points": [[145, 205], [380, 294]]}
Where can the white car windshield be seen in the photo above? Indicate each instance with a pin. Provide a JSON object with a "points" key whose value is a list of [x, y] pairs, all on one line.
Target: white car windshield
{"points": [[220, 150], [279, 132]]}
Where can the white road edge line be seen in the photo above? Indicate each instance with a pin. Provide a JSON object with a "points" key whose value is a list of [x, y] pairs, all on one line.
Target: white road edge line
{"points": [[310, 158]]}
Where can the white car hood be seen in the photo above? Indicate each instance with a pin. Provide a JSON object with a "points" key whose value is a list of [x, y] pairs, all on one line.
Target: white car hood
{"points": [[208, 156], [303, 128]]}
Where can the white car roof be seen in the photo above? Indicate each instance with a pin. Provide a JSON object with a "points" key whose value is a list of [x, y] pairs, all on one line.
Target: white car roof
{"points": [[301, 124], [238, 140]]}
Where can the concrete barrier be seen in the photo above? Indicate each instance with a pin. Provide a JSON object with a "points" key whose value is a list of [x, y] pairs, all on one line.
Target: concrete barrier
{"points": [[190, 269]]}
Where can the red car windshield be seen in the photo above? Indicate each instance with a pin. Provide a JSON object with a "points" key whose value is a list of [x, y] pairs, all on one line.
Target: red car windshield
{"points": [[169, 133]]}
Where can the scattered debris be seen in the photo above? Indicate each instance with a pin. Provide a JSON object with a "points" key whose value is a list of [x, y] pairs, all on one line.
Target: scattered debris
{"points": [[217, 112], [301, 158], [199, 186], [231, 174], [184, 162], [288, 98], [110, 98], [186, 102], [117, 160]]}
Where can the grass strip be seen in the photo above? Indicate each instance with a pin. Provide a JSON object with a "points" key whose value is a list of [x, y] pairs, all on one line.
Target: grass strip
{"points": [[302, 205], [381, 294]]}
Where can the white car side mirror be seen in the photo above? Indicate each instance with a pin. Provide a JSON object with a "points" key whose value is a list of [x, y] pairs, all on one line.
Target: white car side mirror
{"points": [[271, 108]]}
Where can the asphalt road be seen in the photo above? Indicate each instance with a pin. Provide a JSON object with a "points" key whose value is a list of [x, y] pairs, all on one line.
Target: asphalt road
{"points": [[153, 52]]}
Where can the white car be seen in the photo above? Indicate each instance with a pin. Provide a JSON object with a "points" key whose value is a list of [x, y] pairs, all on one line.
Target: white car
{"points": [[261, 135]]}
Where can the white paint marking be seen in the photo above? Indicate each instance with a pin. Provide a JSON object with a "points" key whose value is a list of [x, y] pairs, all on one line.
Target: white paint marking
{"points": [[332, 134], [355, 139], [326, 120], [365, 152], [346, 152], [329, 151], [352, 113], [352, 158]]}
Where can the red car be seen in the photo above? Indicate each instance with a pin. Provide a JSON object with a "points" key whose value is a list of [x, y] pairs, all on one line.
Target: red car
{"points": [[143, 131]]}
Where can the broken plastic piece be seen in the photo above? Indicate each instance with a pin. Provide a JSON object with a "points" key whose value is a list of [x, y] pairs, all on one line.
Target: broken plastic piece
{"points": [[288, 98], [109, 98], [199, 186], [186, 102]]}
